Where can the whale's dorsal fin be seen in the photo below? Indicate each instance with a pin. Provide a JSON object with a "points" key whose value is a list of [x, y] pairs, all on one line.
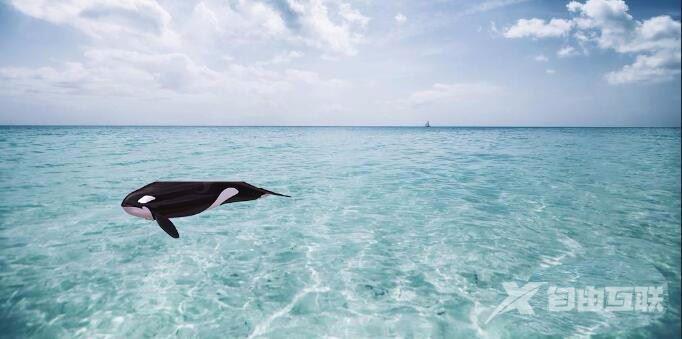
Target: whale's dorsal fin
{"points": [[167, 226]]}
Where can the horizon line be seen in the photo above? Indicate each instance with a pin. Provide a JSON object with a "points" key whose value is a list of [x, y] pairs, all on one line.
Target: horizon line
{"points": [[346, 126]]}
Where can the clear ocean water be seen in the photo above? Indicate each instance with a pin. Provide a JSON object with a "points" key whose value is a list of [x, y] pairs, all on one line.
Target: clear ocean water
{"points": [[390, 232]]}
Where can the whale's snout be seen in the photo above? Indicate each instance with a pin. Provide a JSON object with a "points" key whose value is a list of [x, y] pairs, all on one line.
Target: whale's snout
{"points": [[140, 212], [133, 207]]}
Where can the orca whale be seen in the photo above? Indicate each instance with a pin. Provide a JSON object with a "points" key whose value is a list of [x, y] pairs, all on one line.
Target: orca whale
{"points": [[162, 200]]}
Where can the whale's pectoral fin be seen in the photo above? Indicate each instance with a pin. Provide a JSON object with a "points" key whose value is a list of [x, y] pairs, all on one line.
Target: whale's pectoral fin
{"points": [[167, 225]]}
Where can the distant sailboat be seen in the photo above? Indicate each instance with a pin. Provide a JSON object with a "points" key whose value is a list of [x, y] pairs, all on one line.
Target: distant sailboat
{"points": [[427, 124]]}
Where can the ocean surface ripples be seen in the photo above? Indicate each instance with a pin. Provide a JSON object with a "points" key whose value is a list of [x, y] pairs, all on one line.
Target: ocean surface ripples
{"points": [[405, 232]]}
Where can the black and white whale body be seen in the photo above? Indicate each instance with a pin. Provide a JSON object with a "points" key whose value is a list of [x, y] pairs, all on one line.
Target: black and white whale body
{"points": [[162, 200]]}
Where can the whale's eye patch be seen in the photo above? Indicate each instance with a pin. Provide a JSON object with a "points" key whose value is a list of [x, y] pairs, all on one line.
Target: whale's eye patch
{"points": [[146, 199]]}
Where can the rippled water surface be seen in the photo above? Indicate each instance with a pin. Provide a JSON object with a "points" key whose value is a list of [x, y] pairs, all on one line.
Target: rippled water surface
{"points": [[405, 232]]}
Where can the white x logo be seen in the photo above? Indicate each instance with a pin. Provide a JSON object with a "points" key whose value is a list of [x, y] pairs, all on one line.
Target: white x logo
{"points": [[517, 298]]}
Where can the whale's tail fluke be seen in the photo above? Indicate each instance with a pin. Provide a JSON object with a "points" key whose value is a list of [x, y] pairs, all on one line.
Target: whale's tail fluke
{"points": [[260, 190], [274, 193]]}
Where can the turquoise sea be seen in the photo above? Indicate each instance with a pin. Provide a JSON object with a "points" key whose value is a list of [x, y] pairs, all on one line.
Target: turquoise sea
{"points": [[390, 232]]}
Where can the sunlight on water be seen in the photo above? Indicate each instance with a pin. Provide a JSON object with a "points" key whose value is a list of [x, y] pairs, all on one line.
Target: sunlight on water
{"points": [[389, 231]]}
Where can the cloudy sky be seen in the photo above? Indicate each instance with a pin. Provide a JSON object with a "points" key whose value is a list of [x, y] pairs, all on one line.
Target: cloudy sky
{"points": [[333, 62]]}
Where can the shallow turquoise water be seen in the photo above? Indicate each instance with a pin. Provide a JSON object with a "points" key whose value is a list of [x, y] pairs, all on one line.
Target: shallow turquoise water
{"points": [[390, 232]]}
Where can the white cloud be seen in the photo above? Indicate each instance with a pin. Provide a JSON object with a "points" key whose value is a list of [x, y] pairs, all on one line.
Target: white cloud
{"points": [[661, 66], [606, 24], [550, 71], [334, 27], [145, 48], [608, 17], [311, 78], [100, 17], [130, 22], [658, 33], [566, 52], [115, 73], [489, 5], [493, 29], [352, 15], [452, 92], [321, 31], [540, 58], [538, 28], [283, 58], [400, 18], [124, 73]]}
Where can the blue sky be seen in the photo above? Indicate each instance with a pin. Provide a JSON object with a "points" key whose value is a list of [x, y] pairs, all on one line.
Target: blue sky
{"points": [[329, 62]]}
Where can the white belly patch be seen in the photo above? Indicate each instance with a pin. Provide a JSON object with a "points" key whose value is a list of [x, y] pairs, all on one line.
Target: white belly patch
{"points": [[224, 195]]}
